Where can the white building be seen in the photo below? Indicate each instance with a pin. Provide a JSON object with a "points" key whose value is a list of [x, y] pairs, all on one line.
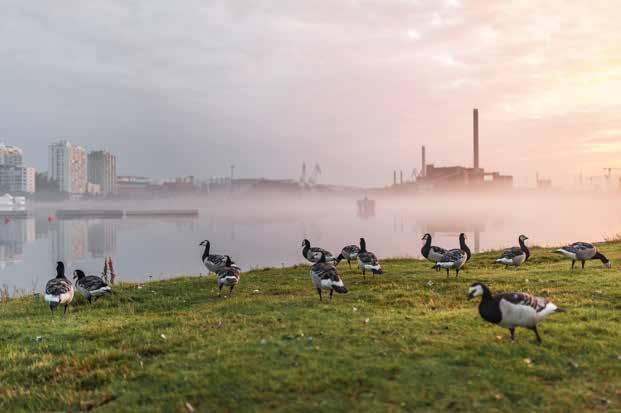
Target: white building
{"points": [[17, 179], [14, 177], [10, 155], [67, 165]]}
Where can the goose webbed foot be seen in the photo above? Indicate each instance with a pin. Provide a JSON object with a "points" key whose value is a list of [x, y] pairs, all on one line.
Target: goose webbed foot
{"points": [[220, 291], [331, 292], [319, 292], [512, 330], [573, 264], [89, 300], [537, 334], [349, 263], [231, 290], [65, 312], [583, 264]]}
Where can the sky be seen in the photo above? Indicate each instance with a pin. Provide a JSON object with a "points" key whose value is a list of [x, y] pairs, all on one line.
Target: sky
{"points": [[357, 86]]}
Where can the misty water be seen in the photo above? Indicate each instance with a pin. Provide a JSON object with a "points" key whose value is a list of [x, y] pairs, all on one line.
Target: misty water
{"points": [[260, 233]]}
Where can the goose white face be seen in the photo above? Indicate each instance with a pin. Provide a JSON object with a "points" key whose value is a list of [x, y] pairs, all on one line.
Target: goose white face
{"points": [[523, 237], [474, 291], [608, 264]]}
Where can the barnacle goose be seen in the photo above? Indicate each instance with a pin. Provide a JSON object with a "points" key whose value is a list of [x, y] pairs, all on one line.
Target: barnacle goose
{"points": [[512, 310], [325, 276], [313, 254], [455, 258], [431, 252], [59, 290], [367, 261], [90, 286], [213, 262], [227, 275], [582, 251], [515, 256], [349, 253]]}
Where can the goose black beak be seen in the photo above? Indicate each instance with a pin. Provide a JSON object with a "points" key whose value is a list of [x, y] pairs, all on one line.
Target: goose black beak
{"points": [[470, 296]]}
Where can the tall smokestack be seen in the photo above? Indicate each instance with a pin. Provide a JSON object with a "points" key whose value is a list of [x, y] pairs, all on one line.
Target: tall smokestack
{"points": [[475, 127], [423, 167]]}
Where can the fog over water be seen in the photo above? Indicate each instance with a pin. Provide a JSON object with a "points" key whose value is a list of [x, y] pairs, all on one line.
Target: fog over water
{"points": [[260, 232]]}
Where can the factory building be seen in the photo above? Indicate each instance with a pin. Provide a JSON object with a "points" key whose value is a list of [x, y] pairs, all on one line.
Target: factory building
{"points": [[460, 176]]}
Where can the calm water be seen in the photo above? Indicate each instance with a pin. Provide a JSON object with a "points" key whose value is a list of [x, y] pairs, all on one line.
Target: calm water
{"points": [[269, 234]]}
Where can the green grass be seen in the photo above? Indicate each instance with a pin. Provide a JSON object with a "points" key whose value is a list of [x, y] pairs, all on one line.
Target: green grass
{"points": [[405, 341]]}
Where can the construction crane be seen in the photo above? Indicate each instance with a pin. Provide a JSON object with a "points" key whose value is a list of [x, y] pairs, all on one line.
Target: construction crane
{"points": [[609, 172], [303, 175], [312, 179]]}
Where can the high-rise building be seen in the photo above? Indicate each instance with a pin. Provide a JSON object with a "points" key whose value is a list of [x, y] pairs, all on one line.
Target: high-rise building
{"points": [[17, 179], [102, 171], [14, 177], [67, 165], [10, 155]]}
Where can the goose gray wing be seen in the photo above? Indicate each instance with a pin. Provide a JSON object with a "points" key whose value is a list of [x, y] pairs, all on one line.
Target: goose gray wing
{"points": [[325, 271], [577, 247], [218, 260], [57, 286], [351, 250], [511, 253], [367, 258], [438, 250], [228, 272], [452, 256], [318, 251], [536, 303], [91, 283]]}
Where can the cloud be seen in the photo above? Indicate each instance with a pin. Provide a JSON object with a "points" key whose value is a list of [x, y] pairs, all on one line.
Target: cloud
{"points": [[235, 81]]}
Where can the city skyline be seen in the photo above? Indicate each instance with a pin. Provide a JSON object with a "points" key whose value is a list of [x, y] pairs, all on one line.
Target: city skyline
{"points": [[189, 91]]}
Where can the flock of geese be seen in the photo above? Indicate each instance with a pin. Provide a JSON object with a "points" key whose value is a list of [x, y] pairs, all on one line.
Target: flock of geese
{"points": [[509, 310]]}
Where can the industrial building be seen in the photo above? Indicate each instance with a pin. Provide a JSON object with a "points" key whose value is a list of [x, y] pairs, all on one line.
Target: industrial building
{"points": [[456, 177]]}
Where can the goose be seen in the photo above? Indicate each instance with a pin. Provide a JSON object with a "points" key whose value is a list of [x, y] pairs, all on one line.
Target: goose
{"points": [[325, 276], [431, 252], [228, 275], [59, 290], [515, 256], [455, 258], [313, 254], [349, 253], [512, 310], [213, 262], [367, 261], [582, 251], [90, 286]]}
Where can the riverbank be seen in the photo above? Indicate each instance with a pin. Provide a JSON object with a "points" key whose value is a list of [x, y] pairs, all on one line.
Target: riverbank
{"points": [[407, 340]]}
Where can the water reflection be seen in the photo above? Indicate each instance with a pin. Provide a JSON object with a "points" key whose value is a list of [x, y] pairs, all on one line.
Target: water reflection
{"points": [[13, 235], [270, 235]]}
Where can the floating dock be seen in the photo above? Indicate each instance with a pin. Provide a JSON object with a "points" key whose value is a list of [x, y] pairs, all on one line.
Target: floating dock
{"points": [[18, 214], [163, 213], [89, 213]]}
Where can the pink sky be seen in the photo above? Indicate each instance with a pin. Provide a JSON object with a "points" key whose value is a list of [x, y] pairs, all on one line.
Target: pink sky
{"points": [[355, 85]]}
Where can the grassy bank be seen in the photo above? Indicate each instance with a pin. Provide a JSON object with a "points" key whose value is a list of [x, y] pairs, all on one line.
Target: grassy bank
{"points": [[407, 341]]}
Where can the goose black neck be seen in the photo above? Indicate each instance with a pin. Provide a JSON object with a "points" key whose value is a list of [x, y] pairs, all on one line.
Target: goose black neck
{"points": [[487, 294], [524, 248], [464, 247], [426, 247], [322, 259], [60, 270], [363, 245], [206, 252], [601, 257]]}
